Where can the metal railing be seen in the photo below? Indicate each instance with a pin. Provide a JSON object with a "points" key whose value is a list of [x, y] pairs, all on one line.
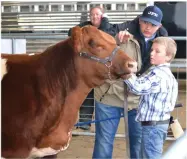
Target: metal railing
{"points": [[37, 42], [34, 19], [35, 22]]}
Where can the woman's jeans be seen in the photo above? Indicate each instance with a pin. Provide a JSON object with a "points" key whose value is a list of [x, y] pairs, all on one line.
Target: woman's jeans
{"points": [[106, 130]]}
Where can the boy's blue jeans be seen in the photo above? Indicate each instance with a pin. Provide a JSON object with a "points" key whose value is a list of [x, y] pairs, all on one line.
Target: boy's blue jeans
{"points": [[153, 138], [106, 130]]}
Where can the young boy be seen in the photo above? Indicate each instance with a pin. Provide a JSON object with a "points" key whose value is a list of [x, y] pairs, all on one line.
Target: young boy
{"points": [[158, 89]]}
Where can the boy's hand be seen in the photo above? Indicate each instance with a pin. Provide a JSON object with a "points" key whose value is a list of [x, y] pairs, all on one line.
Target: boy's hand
{"points": [[123, 36]]}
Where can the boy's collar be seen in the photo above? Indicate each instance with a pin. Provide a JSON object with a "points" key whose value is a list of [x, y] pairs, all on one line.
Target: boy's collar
{"points": [[164, 64]]}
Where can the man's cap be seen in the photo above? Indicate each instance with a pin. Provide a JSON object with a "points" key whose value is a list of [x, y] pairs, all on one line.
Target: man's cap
{"points": [[152, 14]]}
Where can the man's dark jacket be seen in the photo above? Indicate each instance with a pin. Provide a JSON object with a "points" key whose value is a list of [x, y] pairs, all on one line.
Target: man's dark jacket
{"points": [[134, 28]]}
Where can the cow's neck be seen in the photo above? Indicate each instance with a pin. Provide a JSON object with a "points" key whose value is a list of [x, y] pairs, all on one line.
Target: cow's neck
{"points": [[57, 73], [86, 79], [92, 73], [72, 104]]}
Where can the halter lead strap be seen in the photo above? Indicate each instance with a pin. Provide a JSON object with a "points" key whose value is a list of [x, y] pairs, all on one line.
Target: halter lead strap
{"points": [[104, 61]]}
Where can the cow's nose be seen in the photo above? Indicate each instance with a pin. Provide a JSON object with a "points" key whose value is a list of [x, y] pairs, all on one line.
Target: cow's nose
{"points": [[132, 65]]}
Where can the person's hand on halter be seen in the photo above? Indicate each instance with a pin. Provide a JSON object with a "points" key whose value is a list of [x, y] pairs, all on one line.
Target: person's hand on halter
{"points": [[123, 36]]}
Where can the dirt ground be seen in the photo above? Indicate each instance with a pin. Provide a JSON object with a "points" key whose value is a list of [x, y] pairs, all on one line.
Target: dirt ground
{"points": [[81, 146]]}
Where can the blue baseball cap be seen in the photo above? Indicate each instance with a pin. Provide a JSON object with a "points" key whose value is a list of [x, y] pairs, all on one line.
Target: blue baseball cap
{"points": [[152, 14]]}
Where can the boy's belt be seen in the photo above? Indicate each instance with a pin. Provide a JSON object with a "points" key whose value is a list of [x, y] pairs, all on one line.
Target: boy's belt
{"points": [[149, 123]]}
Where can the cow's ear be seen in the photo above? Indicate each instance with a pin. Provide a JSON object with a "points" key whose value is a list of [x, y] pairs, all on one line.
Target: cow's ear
{"points": [[76, 35]]}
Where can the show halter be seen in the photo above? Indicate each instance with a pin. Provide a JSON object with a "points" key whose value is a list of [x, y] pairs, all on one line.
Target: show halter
{"points": [[107, 61]]}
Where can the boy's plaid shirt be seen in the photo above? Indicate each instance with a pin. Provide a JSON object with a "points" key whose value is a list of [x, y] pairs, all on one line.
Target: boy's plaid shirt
{"points": [[158, 89]]}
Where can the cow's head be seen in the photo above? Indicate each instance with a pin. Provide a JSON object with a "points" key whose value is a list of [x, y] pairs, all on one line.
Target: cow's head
{"points": [[99, 46]]}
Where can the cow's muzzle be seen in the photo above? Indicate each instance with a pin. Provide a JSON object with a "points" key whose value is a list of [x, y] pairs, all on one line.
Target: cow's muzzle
{"points": [[132, 66]]}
